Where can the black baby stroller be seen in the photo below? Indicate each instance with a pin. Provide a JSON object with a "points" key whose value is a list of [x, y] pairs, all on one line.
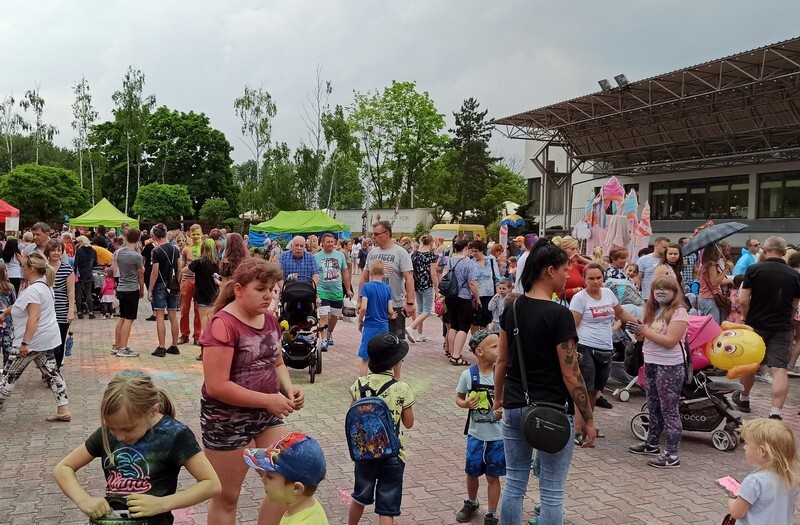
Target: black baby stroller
{"points": [[302, 347], [703, 408]]}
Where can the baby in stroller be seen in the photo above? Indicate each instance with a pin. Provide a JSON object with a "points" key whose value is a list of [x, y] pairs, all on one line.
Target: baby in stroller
{"points": [[298, 317]]}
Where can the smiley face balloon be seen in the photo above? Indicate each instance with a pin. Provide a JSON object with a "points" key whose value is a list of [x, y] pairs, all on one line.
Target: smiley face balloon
{"points": [[738, 349]]}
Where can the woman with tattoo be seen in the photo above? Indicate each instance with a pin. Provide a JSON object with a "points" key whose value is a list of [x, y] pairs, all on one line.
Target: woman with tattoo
{"points": [[663, 327], [552, 369]]}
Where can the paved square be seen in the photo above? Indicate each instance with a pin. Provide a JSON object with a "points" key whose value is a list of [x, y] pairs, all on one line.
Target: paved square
{"points": [[606, 485]]}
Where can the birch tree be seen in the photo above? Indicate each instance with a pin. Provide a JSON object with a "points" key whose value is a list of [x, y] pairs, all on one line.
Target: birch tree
{"points": [[132, 111], [11, 124], [85, 115], [40, 131], [256, 110]]}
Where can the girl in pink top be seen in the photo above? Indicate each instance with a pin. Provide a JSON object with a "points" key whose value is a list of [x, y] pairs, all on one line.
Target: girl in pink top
{"points": [[247, 390], [663, 328]]}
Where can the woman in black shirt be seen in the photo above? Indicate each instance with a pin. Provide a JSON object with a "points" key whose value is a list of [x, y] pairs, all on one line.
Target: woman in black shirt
{"points": [[548, 335], [205, 284]]}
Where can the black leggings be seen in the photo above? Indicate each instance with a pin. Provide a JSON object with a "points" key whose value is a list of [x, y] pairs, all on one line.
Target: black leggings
{"points": [[59, 350]]}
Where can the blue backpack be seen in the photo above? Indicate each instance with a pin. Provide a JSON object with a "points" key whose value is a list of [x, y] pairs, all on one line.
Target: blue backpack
{"points": [[369, 427]]}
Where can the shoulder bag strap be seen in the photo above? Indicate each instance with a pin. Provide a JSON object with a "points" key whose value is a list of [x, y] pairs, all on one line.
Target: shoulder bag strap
{"points": [[518, 345], [473, 373]]}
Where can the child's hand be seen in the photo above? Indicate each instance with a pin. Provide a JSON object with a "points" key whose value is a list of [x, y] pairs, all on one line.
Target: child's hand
{"points": [[360, 325], [472, 401], [299, 398], [143, 505], [94, 508], [498, 414], [279, 405], [392, 315]]}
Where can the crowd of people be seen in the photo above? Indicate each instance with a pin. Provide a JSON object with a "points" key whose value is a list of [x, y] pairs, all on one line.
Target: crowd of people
{"points": [[535, 323]]}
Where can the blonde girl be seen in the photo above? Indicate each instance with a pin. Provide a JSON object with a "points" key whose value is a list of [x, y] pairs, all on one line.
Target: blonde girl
{"points": [[205, 285], [142, 448], [768, 494], [247, 390], [36, 334]]}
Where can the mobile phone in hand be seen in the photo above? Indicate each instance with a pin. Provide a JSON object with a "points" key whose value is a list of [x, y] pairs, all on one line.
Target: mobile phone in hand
{"points": [[729, 485]]}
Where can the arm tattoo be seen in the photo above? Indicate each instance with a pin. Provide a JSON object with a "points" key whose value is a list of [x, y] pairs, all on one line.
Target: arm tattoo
{"points": [[571, 357], [581, 398]]}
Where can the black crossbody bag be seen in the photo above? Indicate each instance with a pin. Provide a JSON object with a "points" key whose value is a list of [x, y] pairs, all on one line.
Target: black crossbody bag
{"points": [[545, 426]]}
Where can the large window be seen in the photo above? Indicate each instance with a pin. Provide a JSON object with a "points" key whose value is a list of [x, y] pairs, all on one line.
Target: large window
{"points": [[535, 194], [721, 198], [779, 194]]}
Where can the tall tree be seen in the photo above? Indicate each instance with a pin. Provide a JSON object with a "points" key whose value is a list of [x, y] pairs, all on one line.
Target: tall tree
{"points": [[40, 131], [256, 110], [367, 123], [163, 202], [11, 124], [471, 140], [340, 185], [85, 115], [132, 111]]}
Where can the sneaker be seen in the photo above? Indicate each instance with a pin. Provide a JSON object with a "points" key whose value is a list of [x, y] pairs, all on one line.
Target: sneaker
{"points": [[467, 511], [80, 315], [743, 406], [330, 341], [644, 449], [534, 521], [183, 340], [793, 371], [151, 318], [422, 337], [324, 345], [114, 349], [490, 519], [603, 403], [777, 417], [410, 335], [665, 462], [173, 350], [91, 315], [764, 378], [127, 352], [160, 351]]}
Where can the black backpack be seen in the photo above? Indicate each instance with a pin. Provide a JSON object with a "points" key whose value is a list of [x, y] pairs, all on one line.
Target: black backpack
{"points": [[448, 285]]}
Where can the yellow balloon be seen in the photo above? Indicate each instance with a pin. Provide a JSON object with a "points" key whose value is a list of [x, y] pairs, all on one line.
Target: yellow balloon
{"points": [[738, 350]]}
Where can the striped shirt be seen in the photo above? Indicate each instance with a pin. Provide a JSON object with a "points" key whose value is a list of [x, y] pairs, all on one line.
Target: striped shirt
{"points": [[60, 291]]}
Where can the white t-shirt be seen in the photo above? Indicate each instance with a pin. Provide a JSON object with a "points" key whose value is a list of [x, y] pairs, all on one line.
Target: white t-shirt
{"points": [[657, 354], [520, 267], [47, 335], [771, 502], [396, 262], [597, 318]]}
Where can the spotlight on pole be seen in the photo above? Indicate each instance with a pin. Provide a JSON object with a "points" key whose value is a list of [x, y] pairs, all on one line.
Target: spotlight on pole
{"points": [[605, 85], [621, 80]]}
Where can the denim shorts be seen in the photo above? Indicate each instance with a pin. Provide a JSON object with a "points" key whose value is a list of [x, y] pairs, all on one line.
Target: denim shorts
{"points": [[380, 481], [485, 457], [162, 300], [425, 301]]}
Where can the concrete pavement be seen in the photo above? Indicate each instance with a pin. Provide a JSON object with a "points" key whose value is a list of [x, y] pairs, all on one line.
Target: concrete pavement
{"points": [[606, 485]]}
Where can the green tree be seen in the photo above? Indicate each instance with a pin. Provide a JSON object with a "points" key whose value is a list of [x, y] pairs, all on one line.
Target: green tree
{"points": [[85, 115], [40, 131], [132, 111], [11, 124], [162, 202], [505, 185], [340, 185], [214, 210], [43, 192], [256, 110]]}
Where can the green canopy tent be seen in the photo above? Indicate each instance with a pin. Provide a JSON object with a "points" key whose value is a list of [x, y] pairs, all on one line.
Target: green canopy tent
{"points": [[287, 224], [103, 213]]}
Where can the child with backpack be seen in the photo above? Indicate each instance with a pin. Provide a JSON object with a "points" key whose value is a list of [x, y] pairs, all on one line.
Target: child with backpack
{"points": [[372, 427], [291, 470], [374, 308], [485, 453]]}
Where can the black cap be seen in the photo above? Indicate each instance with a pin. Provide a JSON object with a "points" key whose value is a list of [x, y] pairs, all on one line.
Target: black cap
{"points": [[385, 350]]}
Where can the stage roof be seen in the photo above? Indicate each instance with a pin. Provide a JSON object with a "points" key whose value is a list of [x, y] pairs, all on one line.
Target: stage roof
{"points": [[740, 109]]}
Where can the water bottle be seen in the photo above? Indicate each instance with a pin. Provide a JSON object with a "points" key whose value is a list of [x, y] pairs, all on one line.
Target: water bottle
{"points": [[68, 345]]}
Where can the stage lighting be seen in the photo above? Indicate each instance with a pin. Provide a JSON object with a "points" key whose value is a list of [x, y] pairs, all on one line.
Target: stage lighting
{"points": [[605, 85], [621, 80]]}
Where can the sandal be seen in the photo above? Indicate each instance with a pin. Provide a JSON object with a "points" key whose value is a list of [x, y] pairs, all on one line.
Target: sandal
{"points": [[459, 361], [599, 434], [59, 417]]}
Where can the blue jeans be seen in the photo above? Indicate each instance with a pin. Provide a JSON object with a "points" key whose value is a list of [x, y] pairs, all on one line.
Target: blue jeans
{"points": [[553, 477], [709, 307]]}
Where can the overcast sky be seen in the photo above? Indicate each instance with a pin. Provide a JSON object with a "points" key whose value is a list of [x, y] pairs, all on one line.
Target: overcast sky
{"points": [[510, 55]]}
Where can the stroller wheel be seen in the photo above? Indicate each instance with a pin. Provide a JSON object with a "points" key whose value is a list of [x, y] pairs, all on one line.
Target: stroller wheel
{"points": [[312, 372], [724, 440], [623, 395], [640, 425], [319, 362]]}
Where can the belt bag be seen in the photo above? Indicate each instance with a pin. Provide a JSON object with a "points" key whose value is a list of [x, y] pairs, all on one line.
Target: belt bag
{"points": [[545, 426]]}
